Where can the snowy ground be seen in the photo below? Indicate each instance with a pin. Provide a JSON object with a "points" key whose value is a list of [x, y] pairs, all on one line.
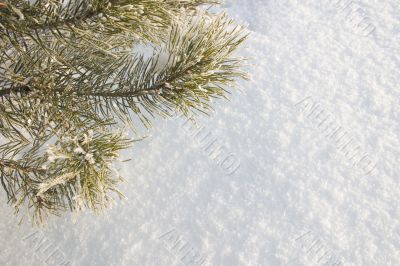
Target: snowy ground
{"points": [[301, 195]]}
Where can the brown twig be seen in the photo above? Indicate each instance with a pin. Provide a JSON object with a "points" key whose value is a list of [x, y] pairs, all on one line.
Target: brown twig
{"points": [[16, 166]]}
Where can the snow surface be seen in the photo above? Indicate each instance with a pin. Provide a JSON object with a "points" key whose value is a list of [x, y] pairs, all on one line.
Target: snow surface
{"points": [[296, 198]]}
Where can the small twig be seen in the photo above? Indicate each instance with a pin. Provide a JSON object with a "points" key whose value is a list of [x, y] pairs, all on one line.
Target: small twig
{"points": [[16, 166], [8, 91]]}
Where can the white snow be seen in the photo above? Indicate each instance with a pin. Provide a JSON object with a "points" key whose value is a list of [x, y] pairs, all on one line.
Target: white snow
{"points": [[297, 197]]}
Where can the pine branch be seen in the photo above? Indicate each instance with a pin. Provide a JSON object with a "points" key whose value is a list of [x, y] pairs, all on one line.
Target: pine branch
{"points": [[153, 90], [72, 70]]}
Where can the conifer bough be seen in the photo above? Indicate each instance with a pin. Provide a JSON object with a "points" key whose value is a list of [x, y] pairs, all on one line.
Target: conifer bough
{"points": [[72, 72]]}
